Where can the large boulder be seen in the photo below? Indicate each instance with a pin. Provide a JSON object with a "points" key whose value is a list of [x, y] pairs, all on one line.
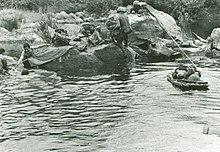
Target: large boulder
{"points": [[156, 28], [163, 49], [111, 54], [159, 52], [145, 28], [149, 26], [66, 59], [113, 57], [215, 35], [167, 22], [82, 63]]}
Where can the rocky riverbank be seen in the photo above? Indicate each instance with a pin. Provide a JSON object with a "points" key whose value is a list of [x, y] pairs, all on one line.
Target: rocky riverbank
{"points": [[155, 37]]}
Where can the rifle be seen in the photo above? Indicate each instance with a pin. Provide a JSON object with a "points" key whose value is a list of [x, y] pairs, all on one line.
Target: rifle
{"points": [[21, 57]]}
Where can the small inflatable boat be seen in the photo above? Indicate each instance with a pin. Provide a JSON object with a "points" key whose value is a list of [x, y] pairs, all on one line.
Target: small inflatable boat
{"points": [[185, 84]]}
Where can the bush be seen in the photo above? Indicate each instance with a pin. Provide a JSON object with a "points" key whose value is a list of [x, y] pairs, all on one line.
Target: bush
{"points": [[31, 17], [10, 19], [101, 7]]}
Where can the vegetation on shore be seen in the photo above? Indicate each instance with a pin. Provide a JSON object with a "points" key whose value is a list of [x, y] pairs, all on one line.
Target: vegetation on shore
{"points": [[101, 6], [200, 11]]}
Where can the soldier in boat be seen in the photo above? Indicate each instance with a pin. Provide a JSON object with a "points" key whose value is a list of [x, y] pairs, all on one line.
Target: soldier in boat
{"points": [[192, 73], [187, 72]]}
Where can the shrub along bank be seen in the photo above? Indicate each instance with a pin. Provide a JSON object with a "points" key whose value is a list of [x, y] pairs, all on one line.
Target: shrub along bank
{"points": [[202, 15]]}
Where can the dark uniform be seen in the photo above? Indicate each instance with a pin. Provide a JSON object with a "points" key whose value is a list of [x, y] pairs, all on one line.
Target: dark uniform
{"points": [[3, 61], [60, 38], [125, 29], [27, 54], [136, 9]]}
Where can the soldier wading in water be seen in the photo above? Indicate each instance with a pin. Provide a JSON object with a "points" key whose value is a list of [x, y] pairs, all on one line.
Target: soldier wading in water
{"points": [[120, 29]]}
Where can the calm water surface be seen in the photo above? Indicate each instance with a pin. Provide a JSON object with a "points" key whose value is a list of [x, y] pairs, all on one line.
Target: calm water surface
{"points": [[43, 112]]}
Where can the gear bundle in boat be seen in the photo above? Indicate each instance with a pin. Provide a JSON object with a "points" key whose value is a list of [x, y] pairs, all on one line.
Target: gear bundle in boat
{"points": [[185, 84]]}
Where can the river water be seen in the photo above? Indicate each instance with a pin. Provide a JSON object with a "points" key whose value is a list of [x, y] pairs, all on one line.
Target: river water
{"points": [[46, 112]]}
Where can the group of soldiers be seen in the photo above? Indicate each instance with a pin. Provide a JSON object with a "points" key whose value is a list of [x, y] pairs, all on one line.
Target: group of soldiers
{"points": [[187, 72], [7, 61], [118, 25], [119, 28]]}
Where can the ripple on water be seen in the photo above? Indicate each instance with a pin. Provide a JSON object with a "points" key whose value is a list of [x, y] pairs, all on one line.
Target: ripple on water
{"points": [[45, 112]]}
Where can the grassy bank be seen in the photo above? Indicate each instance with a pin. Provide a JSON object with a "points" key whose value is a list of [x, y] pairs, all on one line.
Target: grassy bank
{"points": [[12, 19], [12, 49]]}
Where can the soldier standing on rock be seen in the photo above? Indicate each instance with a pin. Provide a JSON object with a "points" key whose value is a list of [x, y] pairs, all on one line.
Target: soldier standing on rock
{"points": [[124, 26], [119, 27]]}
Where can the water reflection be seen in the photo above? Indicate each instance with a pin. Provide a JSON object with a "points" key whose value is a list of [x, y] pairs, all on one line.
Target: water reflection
{"points": [[120, 112], [80, 109]]}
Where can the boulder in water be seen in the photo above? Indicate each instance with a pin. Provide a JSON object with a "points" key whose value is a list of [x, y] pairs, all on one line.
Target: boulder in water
{"points": [[153, 28], [81, 63], [215, 35], [149, 27]]}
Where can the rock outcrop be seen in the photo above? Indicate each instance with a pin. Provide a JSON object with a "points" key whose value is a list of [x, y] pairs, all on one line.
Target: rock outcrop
{"points": [[113, 58], [64, 18], [145, 28], [67, 59], [168, 23], [151, 33], [154, 29], [71, 62], [215, 35], [28, 32]]}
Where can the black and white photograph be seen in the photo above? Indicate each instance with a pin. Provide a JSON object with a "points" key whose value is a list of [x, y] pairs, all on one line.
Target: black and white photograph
{"points": [[109, 76]]}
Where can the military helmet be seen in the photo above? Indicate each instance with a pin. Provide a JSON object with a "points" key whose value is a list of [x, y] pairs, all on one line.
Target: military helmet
{"points": [[121, 9], [26, 45], [136, 3]]}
